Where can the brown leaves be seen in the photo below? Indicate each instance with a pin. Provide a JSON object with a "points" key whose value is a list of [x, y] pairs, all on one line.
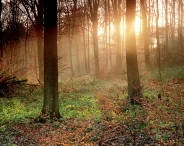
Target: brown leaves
{"points": [[71, 133]]}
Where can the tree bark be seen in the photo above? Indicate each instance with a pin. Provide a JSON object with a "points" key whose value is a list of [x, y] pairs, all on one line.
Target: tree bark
{"points": [[1, 45], [134, 89], [51, 103]]}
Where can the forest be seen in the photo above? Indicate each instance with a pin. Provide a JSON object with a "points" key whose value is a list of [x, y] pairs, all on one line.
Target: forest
{"points": [[91, 73]]}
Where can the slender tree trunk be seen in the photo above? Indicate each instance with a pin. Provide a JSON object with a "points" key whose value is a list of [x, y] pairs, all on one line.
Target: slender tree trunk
{"points": [[95, 41], [39, 31], [181, 26], [145, 33], [157, 37], [85, 54], [25, 48], [88, 46], [173, 25], [134, 89], [93, 5], [77, 54], [118, 39], [51, 103], [117, 16], [40, 54], [70, 54], [110, 52], [106, 48], [166, 28]]}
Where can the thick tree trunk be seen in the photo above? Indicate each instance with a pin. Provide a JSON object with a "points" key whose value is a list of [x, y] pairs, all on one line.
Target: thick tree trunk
{"points": [[134, 89], [51, 103], [1, 43]]}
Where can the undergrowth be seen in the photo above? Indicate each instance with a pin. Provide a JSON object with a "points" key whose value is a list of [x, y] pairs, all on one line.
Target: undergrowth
{"points": [[105, 112]]}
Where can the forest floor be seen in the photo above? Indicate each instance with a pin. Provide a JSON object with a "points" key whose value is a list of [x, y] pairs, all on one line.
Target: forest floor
{"points": [[96, 112]]}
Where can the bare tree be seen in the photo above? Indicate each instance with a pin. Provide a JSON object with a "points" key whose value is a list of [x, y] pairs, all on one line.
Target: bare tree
{"points": [[34, 9]]}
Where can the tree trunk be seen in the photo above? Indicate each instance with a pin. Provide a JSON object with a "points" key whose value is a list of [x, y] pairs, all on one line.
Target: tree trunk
{"points": [[173, 25], [70, 53], [145, 33], [179, 26], [118, 39], [88, 46], [166, 28], [110, 52], [51, 103], [85, 54], [117, 16], [134, 89], [39, 31], [157, 37], [1, 45], [95, 41], [40, 54], [93, 5]]}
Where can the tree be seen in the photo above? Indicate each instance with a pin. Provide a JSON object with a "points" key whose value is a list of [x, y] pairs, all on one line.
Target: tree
{"points": [[166, 27], [116, 4], [145, 34], [93, 5], [34, 10], [1, 45], [51, 104], [134, 89], [158, 40]]}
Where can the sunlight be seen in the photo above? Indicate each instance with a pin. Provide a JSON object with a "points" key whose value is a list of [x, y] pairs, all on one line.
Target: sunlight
{"points": [[137, 25]]}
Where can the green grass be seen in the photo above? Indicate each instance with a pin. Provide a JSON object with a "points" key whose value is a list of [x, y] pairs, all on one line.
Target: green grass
{"points": [[74, 103], [82, 106], [167, 73], [22, 108]]}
